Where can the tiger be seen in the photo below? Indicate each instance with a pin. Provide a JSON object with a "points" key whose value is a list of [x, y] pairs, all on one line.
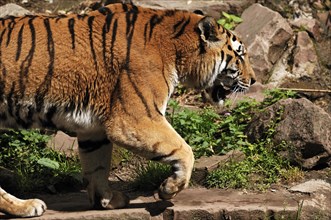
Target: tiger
{"points": [[107, 77]]}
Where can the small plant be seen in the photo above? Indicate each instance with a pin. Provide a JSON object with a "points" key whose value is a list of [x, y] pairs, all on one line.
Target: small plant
{"points": [[150, 177], [37, 166], [263, 165], [229, 21], [198, 128]]}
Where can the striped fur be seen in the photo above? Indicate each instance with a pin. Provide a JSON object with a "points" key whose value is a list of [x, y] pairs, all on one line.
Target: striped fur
{"points": [[107, 76]]}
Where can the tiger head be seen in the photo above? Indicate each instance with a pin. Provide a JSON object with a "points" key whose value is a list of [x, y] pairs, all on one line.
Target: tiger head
{"points": [[227, 69]]}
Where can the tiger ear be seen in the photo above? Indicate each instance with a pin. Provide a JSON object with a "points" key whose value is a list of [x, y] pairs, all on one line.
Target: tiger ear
{"points": [[209, 29]]}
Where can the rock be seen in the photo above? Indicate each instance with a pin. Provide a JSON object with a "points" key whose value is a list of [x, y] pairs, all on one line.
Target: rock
{"points": [[309, 24], [311, 186], [305, 128], [265, 38], [325, 20], [319, 202], [282, 70], [211, 8], [205, 165], [13, 10], [305, 58], [63, 142]]}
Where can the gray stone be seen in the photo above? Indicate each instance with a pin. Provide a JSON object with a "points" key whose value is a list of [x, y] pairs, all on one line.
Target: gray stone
{"points": [[63, 142], [211, 8], [311, 186], [309, 24], [305, 58], [305, 127], [319, 203], [13, 10], [265, 33], [205, 165]]}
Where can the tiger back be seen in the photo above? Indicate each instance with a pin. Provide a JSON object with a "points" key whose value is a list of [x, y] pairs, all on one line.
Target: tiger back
{"points": [[107, 77]]}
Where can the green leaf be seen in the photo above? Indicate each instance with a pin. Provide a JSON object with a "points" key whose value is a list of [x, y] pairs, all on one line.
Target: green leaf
{"points": [[226, 15], [236, 19], [221, 21], [49, 163]]}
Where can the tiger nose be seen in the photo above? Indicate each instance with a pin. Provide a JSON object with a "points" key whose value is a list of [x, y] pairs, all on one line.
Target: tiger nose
{"points": [[252, 81]]}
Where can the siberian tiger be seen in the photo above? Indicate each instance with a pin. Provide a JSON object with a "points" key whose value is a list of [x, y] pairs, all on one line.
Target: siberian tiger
{"points": [[107, 76]]}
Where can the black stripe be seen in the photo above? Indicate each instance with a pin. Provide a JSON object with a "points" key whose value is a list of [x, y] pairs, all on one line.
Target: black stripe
{"points": [[112, 44], [71, 26], [25, 65], [90, 25], [71, 106], [228, 59], [109, 18], [48, 121], [10, 29], [58, 17], [104, 10], [131, 18], [162, 157], [90, 146], [202, 47], [2, 83], [105, 30], [145, 33], [10, 100], [44, 87], [86, 98], [81, 16], [182, 29], [165, 80], [153, 22], [178, 24], [19, 43], [1, 37], [157, 109], [124, 7], [141, 97]]}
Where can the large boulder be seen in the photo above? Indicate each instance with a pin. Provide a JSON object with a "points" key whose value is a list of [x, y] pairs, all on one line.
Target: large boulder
{"points": [[13, 10], [305, 127], [265, 33], [211, 8]]}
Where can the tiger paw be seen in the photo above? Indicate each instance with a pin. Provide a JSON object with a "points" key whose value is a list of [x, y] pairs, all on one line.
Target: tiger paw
{"points": [[22, 208], [170, 188], [31, 208], [113, 200]]}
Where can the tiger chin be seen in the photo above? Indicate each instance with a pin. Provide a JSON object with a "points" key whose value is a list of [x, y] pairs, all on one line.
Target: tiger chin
{"points": [[107, 77]]}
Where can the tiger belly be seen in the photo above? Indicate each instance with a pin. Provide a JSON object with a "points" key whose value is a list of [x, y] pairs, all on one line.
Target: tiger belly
{"points": [[57, 117]]}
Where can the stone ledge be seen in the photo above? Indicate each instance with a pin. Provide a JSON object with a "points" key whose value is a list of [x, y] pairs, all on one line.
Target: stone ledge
{"points": [[193, 203]]}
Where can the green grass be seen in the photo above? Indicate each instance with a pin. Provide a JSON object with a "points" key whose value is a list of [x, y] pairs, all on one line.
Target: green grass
{"points": [[150, 177], [36, 165]]}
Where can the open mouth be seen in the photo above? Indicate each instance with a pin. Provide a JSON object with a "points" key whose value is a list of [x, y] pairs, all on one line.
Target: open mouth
{"points": [[219, 92]]}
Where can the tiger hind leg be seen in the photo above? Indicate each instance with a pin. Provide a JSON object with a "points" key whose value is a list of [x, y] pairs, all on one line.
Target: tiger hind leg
{"points": [[95, 156], [9, 204]]}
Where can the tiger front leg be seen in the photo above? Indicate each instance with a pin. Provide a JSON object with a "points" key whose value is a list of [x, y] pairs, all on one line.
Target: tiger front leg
{"points": [[9, 204], [95, 156], [181, 159], [158, 141]]}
